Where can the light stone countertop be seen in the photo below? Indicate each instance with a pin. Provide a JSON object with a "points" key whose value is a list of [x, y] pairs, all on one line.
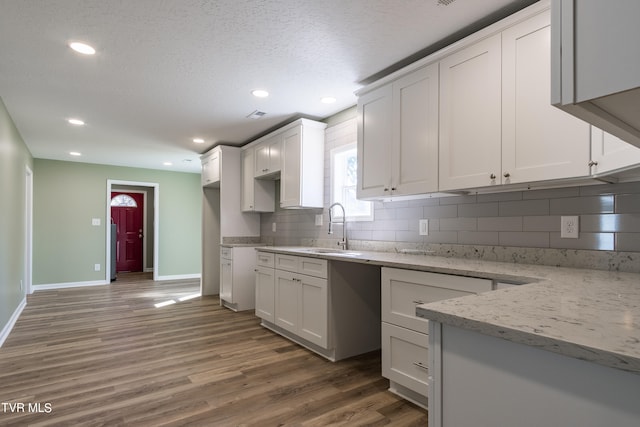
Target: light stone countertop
{"points": [[590, 315]]}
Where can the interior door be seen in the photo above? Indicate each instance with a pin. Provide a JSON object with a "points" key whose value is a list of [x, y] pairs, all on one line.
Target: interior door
{"points": [[128, 217]]}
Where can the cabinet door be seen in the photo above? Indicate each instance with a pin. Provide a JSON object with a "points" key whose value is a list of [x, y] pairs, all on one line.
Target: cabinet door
{"points": [[312, 312], [470, 115], [374, 139], [261, 165], [610, 153], [275, 154], [539, 142], [286, 300], [265, 293], [226, 280], [291, 172], [248, 195], [415, 141]]}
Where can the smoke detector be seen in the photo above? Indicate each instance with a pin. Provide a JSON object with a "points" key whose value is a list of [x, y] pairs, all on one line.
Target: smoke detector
{"points": [[445, 2]]}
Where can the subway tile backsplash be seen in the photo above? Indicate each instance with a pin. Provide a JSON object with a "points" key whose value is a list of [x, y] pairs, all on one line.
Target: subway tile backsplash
{"points": [[609, 216]]}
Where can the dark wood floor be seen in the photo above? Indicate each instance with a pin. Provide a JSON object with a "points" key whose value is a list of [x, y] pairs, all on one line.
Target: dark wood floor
{"points": [[106, 355]]}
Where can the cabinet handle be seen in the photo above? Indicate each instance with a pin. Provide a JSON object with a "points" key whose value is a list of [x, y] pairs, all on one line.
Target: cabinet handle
{"points": [[492, 176], [386, 189], [506, 175], [592, 163], [264, 170], [421, 365], [418, 302]]}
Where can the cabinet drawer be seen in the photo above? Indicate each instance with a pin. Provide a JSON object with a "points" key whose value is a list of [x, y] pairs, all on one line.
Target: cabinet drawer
{"points": [[403, 290], [286, 262], [226, 252], [404, 357], [265, 259], [313, 267]]}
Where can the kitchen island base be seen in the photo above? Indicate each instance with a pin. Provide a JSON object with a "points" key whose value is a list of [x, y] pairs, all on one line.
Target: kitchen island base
{"points": [[481, 380]]}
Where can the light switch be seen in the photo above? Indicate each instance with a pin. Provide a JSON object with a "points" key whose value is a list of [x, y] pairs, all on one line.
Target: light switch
{"points": [[95, 221], [318, 219], [424, 227]]}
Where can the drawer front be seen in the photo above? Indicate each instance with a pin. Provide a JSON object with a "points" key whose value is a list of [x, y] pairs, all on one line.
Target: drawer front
{"points": [[286, 262], [313, 267], [403, 290], [404, 357], [226, 252], [265, 259]]}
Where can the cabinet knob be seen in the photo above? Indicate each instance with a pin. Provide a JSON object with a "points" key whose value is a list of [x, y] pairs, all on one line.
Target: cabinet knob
{"points": [[386, 189], [492, 176], [592, 163], [506, 175], [393, 188]]}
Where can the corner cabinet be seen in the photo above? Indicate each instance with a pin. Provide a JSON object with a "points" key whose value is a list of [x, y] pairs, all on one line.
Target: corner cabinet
{"points": [[302, 174], [497, 123], [398, 137], [294, 154]]}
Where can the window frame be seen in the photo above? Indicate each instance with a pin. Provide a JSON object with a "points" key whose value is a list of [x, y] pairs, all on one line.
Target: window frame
{"points": [[337, 213]]}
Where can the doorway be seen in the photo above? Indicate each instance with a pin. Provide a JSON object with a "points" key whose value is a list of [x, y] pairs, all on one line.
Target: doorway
{"points": [[127, 213], [138, 227]]}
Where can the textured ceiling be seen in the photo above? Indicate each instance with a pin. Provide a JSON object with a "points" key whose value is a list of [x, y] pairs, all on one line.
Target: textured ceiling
{"points": [[167, 71]]}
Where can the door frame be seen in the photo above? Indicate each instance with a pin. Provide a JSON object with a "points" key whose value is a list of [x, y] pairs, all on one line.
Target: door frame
{"points": [[144, 222], [28, 235], [156, 223]]}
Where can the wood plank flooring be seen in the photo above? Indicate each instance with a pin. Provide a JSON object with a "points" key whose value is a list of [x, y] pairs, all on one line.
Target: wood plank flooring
{"points": [[106, 355]]}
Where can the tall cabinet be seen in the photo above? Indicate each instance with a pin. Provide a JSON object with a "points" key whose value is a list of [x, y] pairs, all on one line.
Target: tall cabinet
{"points": [[221, 213]]}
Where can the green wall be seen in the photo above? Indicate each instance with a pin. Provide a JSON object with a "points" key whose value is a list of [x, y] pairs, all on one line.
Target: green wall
{"points": [[14, 158], [67, 195]]}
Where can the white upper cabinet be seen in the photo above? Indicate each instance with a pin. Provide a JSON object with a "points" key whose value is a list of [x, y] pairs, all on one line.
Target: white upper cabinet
{"points": [[302, 175], [596, 66], [211, 169], [539, 141], [268, 157], [398, 137], [609, 153], [470, 116], [257, 195]]}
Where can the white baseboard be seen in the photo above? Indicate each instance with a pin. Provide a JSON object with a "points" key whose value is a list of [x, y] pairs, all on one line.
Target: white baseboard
{"points": [[12, 321], [179, 277], [68, 285]]}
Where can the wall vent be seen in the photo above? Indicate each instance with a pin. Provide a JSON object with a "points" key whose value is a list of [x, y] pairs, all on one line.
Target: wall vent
{"points": [[256, 114], [445, 2]]}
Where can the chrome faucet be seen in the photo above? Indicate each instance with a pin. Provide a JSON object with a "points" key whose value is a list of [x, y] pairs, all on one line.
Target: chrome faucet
{"points": [[342, 242]]}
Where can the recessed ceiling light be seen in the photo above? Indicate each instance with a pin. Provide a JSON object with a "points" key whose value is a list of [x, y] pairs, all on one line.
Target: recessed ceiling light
{"points": [[327, 100], [82, 48], [259, 93], [75, 153], [198, 140], [167, 163], [76, 122]]}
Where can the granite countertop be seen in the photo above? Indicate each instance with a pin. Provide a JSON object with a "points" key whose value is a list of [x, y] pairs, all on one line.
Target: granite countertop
{"points": [[590, 315]]}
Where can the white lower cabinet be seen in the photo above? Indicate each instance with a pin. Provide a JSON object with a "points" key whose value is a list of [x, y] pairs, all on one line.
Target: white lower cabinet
{"points": [[301, 299], [265, 286], [237, 290], [331, 308], [405, 336]]}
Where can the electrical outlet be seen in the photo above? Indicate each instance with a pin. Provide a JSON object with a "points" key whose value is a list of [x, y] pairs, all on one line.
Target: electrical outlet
{"points": [[424, 227], [569, 227], [95, 221], [96, 267], [273, 227], [318, 219]]}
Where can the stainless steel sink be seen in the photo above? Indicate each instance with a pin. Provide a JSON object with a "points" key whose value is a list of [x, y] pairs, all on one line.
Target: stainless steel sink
{"points": [[328, 251]]}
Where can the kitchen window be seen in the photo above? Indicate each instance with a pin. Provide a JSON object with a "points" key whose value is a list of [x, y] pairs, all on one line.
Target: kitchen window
{"points": [[344, 168]]}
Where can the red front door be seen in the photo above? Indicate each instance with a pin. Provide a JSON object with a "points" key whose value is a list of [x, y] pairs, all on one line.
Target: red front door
{"points": [[128, 219]]}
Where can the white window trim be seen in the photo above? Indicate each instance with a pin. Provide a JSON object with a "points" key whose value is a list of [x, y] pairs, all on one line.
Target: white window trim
{"points": [[337, 212]]}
